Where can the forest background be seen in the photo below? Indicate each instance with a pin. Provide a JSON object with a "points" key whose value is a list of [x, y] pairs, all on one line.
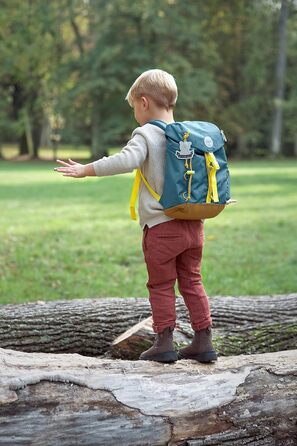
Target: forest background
{"points": [[66, 66]]}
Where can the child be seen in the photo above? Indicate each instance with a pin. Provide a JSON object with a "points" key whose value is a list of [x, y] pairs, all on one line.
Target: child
{"points": [[172, 248]]}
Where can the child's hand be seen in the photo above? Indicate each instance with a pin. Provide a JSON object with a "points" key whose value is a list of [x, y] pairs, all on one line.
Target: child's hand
{"points": [[72, 169]]}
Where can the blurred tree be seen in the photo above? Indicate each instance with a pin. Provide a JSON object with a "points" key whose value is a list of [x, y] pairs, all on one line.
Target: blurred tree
{"points": [[289, 136], [280, 81], [25, 48]]}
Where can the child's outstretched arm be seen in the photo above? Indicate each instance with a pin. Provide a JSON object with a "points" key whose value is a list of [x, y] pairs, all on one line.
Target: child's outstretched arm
{"points": [[129, 158]]}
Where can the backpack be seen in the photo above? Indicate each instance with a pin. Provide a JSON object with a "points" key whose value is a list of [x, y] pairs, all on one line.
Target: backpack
{"points": [[197, 178]]}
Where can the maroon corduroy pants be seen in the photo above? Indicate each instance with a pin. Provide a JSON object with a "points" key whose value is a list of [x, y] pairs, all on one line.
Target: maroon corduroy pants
{"points": [[173, 251]]}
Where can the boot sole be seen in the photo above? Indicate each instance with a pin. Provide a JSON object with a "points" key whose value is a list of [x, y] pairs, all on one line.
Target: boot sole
{"points": [[201, 357], [162, 357]]}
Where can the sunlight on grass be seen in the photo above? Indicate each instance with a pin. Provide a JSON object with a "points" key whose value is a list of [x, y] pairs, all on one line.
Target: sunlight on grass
{"points": [[64, 151]]}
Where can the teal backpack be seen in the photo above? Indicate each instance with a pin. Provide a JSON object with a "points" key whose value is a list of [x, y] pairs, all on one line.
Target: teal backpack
{"points": [[197, 178]]}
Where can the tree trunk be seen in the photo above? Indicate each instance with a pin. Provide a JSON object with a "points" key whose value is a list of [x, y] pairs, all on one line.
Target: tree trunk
{"points": [[70, 399], [18, 103], [242, 148], [280, 81], [295, 145], [98, 150], [245, 324], [28, 131], [36, 132], [23, 146]]}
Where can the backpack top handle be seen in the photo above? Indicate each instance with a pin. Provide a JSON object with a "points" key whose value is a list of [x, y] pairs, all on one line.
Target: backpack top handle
{"points": [[161, 124]]}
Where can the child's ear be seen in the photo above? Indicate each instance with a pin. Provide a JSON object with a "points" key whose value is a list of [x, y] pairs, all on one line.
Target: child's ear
{"points": [[144, 102]]}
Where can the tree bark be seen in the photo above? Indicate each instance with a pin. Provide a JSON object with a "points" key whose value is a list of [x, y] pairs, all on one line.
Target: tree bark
{"points": [[70, 399], [244, 324], [260, 338]]}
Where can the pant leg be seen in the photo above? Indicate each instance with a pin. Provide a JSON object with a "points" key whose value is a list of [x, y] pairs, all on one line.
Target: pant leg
{"points": [[188, 266], [161, 244]]}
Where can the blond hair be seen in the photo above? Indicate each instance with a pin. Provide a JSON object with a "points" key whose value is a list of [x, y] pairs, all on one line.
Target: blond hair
{"points": [[157, 84]]}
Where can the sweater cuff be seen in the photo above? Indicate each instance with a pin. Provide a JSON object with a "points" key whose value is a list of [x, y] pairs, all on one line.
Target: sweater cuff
{"points": [[97, 168]]}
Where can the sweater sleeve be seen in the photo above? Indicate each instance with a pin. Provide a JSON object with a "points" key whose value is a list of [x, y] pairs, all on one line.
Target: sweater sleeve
{"points": [[129, 158]]}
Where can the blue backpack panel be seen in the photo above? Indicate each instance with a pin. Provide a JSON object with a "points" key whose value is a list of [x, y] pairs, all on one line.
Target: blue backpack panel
{"points": [[197, 178]]}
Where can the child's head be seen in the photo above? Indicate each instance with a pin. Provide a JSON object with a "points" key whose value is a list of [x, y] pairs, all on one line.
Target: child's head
{"points": [[154, 91]]}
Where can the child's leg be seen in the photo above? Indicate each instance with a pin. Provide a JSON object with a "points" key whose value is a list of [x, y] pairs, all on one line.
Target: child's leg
{"points": [[160, 244], [188, 265]]}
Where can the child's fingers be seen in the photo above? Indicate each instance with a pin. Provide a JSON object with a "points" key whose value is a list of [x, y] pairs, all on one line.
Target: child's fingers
{"points": [[62, 169], [68, 171], [62, 162], [71, 161]]}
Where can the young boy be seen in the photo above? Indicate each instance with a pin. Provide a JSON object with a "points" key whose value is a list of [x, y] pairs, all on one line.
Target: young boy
{"points": [[172, 248]]}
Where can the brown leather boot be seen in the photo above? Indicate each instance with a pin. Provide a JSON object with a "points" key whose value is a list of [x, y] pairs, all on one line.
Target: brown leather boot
{"points": [[201, 348], [163, 349]]}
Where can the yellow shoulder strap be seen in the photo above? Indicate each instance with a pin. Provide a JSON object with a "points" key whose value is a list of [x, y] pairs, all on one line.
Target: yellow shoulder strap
{"points": [[134, 194], [212, 166]]}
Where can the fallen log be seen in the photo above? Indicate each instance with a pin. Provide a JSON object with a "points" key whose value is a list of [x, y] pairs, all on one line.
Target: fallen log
{"points": [[88, 326], [62, 399], [260, 338]]}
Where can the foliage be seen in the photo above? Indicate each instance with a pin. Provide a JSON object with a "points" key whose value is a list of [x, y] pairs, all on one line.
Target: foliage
{"points": [[78, 58]]}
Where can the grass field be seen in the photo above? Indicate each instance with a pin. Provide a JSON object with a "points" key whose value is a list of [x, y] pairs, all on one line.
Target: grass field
{"points": [[64, 238]]}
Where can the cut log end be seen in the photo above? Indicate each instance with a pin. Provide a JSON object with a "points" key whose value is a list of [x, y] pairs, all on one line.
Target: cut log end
{"points": [[131, 343]]}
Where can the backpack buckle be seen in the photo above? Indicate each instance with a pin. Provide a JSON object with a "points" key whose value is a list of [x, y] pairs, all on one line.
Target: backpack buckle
{"points": [[223, 135]]}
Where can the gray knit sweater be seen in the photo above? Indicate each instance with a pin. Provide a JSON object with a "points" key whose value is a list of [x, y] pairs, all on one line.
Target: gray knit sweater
{"points": [[145, 150]]}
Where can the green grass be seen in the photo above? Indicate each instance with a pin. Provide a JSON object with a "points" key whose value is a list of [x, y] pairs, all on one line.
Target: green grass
{"points": [[64, 238]]}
